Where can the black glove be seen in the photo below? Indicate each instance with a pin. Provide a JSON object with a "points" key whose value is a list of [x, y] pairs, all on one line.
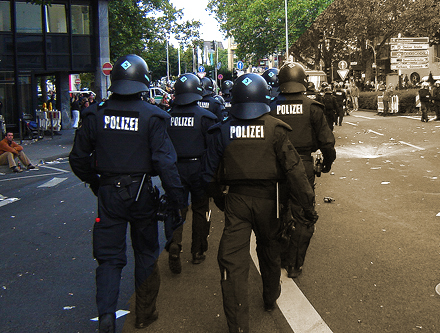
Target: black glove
{"points": [[220, 201], [311, 216], [94, 186], [326, 168]]}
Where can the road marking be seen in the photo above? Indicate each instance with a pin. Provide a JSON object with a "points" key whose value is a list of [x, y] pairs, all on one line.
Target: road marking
{"points": [[408, 144], [5, 201], [371, 131], [363, 117], [347, 122], [56, 169], [53, 182], [296, 308]]}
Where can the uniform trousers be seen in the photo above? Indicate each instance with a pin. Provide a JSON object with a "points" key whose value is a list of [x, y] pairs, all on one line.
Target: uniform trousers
{"points": [[425, 108], [244, 213], [115, 210], [340, 115], [295, 253], [189, 171], [10, 158]]}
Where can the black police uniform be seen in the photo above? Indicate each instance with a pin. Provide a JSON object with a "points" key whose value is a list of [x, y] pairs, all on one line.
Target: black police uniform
{"points": [[425, 103], [251, 153], [121, 144], [310, 132], [331, 107], [340, 97], [210, 103], [228, 99], [188, 128]]}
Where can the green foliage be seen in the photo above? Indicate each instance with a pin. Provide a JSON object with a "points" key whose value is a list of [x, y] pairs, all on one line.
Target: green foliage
{"points": [[258, 26], [143, 27], [348, 24], [407, 100]]}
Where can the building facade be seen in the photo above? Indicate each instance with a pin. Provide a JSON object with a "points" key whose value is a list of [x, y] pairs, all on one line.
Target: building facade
{"points": [[53, 40]]}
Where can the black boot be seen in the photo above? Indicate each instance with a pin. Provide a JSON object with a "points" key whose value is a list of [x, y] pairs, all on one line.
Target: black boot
{"points": [[107, 323]]}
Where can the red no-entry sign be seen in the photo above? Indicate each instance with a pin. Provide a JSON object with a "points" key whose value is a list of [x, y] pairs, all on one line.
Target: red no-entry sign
{"points": [[107, 68], [78, 81]]}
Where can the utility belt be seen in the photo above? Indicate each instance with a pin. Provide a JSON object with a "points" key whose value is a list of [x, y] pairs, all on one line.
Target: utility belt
{"points": [[188, 159], [122, 182], [253, 191]]}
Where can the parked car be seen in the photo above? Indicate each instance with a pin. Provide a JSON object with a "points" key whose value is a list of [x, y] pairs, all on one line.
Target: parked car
{"points": [[157, 93]]}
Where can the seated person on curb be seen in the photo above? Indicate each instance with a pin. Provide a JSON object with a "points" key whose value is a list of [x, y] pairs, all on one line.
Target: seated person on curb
{"points": [[9, 150]]}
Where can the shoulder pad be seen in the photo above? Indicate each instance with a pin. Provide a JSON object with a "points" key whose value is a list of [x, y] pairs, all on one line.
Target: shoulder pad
{"points": [[215, 127], [282, 124], [207, 113], [91, 110]]}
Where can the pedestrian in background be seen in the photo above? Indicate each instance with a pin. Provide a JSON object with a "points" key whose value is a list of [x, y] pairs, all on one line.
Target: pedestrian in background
{"points": [[355, 96], [75, 107], [425, 101], [310, 132], [10, 150], [387, 99], [121, 144], [187, 128], [435, 98], [250, 152]]}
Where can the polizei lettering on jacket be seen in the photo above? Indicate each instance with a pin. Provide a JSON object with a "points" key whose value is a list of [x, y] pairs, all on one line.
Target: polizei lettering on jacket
{"points": [[204, 105], [293, 107], [121, 120], [182, 120], [238, 130]]}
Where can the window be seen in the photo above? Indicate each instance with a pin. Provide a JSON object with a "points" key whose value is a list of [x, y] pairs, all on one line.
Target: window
{"points": [[56, 19], [28, 18], [81, 22], [5, 16]]}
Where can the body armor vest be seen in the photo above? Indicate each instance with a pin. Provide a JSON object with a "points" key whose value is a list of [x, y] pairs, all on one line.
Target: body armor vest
{"points": [[122, 136], [249, 151], [294, 109], [185, 130], [211, 104]]}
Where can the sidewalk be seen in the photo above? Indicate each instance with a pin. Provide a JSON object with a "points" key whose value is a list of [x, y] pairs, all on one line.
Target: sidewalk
{"points": [[47, 149]]}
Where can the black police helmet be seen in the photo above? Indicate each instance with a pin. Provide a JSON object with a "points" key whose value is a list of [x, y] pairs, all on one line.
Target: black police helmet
{"points": [[187, 89], [293, 78], [227, 86], [208, 86], [220, 99], [250, 97], [130, 75], [271, 77]]}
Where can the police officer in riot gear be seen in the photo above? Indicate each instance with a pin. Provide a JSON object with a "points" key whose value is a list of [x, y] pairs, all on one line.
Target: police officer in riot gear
{"points": [[310, 132], [187, 129], [208, 101], [122, 143], [271, 77], [311, 92], [250, 152], [226, 93], [330, 106], [341, 99]]}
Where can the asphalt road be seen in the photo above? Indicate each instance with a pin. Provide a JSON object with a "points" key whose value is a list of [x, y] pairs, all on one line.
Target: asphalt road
{"points": [[372, 265]]}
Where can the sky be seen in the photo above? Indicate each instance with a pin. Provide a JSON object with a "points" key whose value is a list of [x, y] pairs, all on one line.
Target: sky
{"points": [[196, 10]]}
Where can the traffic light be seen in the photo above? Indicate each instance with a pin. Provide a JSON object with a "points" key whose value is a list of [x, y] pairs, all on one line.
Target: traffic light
{"points": [[210, 74], [213, 45], [234, 74], [321, 36]]}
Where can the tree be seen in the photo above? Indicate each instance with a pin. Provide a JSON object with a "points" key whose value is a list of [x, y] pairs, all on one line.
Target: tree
{"points": [[348, 24], [258, 27], [143, 27]]}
